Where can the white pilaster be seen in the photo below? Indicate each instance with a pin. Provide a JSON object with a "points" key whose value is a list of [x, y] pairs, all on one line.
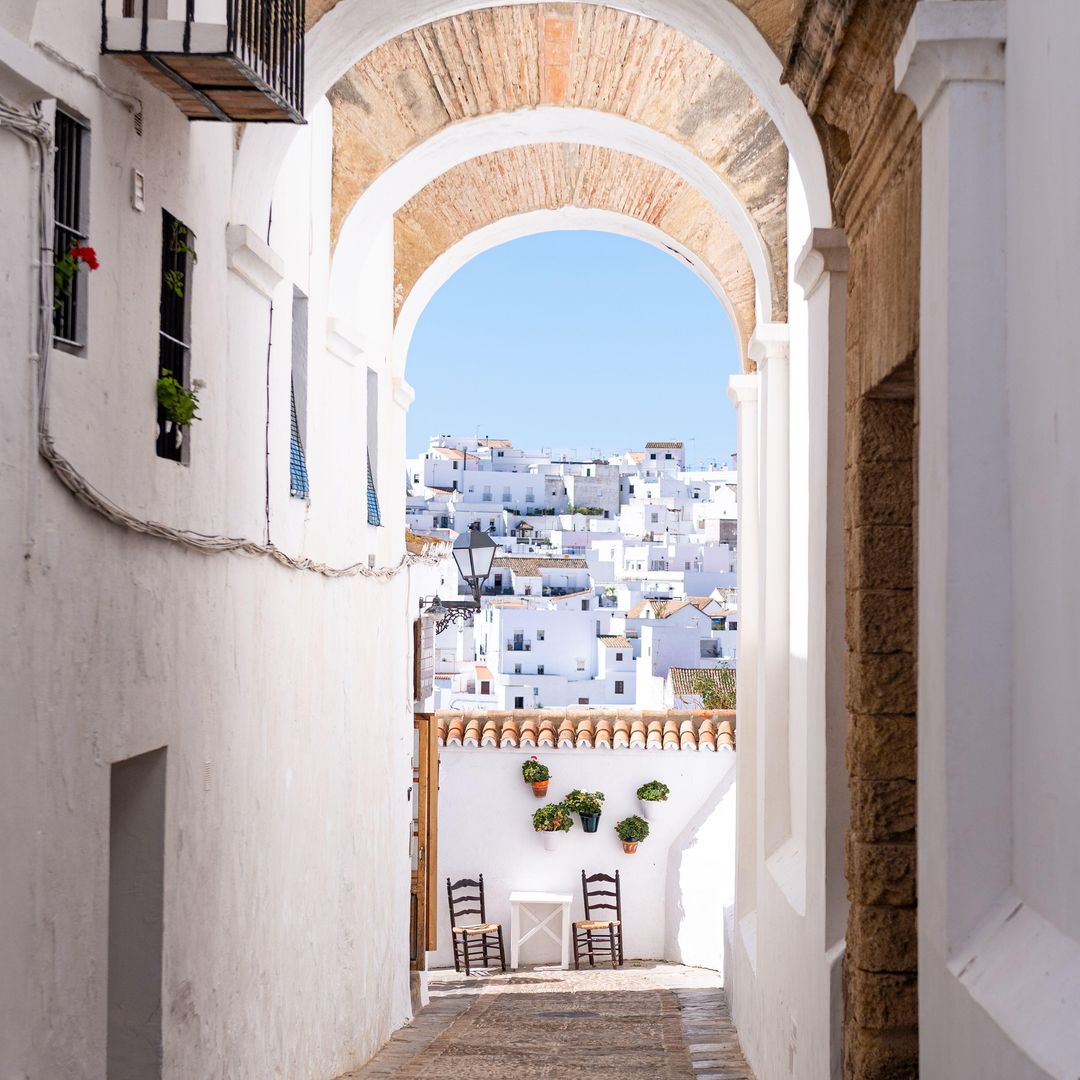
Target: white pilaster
{"points": [[951, 64], [743, 392], [769, 350]]}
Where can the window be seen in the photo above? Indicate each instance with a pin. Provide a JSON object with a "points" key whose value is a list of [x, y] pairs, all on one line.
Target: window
{"points": [[686, 566], [652, 457], [500, 454], [584, 605], [631, 489], [374, 515], [619, 686], [519, 703], [485, 687], [298, 474], [71, 167], [506, 494], [581, 665], [539, 669], [667, 457], [618, 656], [583, 701], [174, 337], [655, 518], [517, 669], [470, 686], [455, 464]]}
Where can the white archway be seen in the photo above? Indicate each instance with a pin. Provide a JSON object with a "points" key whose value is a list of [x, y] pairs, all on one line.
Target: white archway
{"points": [[516, 226], [470, 138], [354, 27]]}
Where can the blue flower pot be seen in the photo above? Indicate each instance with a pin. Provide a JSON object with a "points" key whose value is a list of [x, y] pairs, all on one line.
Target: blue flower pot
{"points": [[590, 822]]}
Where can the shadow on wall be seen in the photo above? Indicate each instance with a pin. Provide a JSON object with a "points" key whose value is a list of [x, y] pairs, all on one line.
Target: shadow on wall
{"points": [[701, 882]]}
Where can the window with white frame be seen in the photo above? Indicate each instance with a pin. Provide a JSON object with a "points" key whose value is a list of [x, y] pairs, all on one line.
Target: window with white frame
{"points": [[299, 487], [619, 687], [374, 514]]}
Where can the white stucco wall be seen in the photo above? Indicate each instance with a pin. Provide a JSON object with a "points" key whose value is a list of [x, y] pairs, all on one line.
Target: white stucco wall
{"points": [[676, 887], [282, 697]]}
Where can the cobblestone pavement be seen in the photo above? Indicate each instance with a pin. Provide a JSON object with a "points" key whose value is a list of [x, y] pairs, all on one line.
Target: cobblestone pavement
{"points": [[646, 1020]]}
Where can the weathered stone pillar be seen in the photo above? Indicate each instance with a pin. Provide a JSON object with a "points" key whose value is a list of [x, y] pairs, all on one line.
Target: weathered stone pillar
{"points": [[951, 64], [769, 348], [743, 391]]}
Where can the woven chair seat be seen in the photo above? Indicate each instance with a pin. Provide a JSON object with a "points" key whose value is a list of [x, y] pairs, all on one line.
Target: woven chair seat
{"points": [[596, 924], [479, 928]]}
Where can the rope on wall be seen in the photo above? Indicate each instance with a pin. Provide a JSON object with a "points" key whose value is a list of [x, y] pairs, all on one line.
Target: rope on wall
{"points": [[32, 129]]}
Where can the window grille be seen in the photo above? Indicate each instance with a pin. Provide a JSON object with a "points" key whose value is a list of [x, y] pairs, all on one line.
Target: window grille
{"points": [[374, 517], [298, 476], [174, 344], [69, 217]]}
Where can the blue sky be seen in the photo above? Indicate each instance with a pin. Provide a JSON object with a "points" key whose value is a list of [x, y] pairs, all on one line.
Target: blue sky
{"points": [[575, 339]]}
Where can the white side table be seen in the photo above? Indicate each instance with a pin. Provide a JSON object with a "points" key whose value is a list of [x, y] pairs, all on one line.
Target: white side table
{"points": [[558, 907]]}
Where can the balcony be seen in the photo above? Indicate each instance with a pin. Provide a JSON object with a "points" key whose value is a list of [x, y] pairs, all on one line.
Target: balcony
{"points": [[519, 646], [232, 60]]}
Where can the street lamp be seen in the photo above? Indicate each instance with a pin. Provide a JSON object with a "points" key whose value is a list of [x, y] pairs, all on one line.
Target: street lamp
{"points": [[474, 553]]}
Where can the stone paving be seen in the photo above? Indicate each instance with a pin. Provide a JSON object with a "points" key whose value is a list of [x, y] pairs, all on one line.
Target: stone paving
{"points": [[645, 1020]]}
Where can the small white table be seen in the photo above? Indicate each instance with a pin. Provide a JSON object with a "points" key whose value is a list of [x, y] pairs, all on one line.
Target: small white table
{"points": [[559, 905]]}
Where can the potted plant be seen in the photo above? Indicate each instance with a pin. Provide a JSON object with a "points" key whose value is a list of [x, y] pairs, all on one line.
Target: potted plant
{"points": [[553, 820], [536, 774], [632, 830], [588, 805], [649, 795]]}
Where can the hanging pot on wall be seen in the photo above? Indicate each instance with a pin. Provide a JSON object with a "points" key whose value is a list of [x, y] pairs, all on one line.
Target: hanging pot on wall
{"points": [[590, 822], [650, 811], [630, 846], [540, 788], [552, 840]]}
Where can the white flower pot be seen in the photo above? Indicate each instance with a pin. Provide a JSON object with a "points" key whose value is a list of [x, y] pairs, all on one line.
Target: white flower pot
{"points": [[552, 840], [650, 811]]}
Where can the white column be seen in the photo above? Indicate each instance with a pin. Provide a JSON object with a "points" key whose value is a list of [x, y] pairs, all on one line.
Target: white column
{"points": [[769, 349], [951, 64], [743, 392], [821, 272]]}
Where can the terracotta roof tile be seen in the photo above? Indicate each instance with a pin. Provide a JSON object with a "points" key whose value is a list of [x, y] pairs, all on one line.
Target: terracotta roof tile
{"points": [[579, 728], [614, 641], [495, 444], [452, 453], [682, 680], [663, 446], [528, 566]]}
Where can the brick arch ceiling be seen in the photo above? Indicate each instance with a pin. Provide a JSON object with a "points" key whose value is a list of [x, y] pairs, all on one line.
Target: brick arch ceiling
{"points": [[550, 176], [516, 57]]}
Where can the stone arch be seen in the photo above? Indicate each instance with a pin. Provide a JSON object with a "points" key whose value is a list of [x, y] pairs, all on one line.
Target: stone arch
{"points": [[513, 227], [599, 61], [342, 33], [452, 146], [551, 176]]}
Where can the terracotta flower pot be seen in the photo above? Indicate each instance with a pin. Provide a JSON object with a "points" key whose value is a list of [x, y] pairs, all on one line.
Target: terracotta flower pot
{"points": [[540, 788], [630, 846]]}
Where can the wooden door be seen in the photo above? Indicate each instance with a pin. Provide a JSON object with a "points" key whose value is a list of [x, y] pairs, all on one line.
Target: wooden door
{"points": [[423, 892]]}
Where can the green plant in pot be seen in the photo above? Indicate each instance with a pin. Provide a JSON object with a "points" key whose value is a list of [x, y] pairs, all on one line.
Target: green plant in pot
{"points": [[632, 830], [554, 820], [588, 804], [536, 774], [650, 796]]}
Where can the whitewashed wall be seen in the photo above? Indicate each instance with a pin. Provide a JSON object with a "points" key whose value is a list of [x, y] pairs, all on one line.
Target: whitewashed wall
{"points": [[282, 697], [676, 887]]}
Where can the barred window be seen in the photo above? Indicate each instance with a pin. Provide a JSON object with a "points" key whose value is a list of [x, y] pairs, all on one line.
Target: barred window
{"points": [[174, 338], [70, 204]]}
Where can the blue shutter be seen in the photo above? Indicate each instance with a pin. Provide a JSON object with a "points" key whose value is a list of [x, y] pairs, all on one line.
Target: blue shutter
{"points": [[373, 515]]}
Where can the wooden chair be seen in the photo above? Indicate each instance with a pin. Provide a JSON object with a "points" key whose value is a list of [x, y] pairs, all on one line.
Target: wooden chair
{"points": [[608, 939], [473, 941]]}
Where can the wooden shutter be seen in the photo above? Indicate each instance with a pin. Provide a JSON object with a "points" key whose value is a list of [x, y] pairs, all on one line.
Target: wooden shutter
{"points": [[424, 909]]}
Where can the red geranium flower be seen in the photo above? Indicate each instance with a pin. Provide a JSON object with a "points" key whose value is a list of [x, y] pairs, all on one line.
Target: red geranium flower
{"points": [[87, 255]]}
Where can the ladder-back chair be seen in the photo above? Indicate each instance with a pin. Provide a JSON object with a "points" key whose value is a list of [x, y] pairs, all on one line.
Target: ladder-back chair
{"points": [[600, 935], [473, 940]]}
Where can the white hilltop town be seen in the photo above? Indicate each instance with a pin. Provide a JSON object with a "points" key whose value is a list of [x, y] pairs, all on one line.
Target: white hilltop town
{"points": [[614, 583]]}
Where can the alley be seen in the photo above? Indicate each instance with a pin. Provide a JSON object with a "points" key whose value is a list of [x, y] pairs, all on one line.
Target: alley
{"points": [[646, 1020]]}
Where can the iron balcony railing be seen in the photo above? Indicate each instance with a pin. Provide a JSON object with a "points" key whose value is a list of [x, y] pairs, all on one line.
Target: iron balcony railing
{"points": [[260, 48]]}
